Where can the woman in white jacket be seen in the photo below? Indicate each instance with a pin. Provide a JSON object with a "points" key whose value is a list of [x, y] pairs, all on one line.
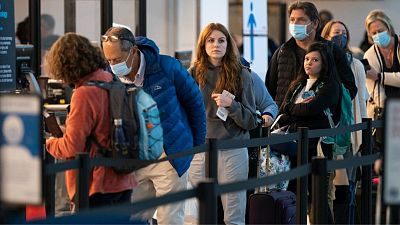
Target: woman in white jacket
{"points": [[337, 32], [383, 79]]}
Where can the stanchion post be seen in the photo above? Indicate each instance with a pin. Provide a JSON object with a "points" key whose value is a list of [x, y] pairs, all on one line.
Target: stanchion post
{"points": [[49, 186], [302, 182], [366, 178], [207, 196], [82, 181], [212, 160], [320, 190]]}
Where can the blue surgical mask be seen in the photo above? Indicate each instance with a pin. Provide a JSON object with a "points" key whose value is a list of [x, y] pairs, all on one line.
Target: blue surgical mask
{"points": [[382, 39], [121, 69], [298, 31], [340, 40]]}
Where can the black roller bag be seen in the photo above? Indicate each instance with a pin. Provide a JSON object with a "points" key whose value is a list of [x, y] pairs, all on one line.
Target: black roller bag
{"points": [[273, 207]]}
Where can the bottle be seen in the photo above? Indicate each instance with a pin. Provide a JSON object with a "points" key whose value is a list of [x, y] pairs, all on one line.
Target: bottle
{"points": [[119, 138]]}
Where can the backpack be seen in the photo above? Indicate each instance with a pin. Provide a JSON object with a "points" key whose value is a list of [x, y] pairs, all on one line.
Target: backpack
{"points": [[342, 142], [141, 131]]}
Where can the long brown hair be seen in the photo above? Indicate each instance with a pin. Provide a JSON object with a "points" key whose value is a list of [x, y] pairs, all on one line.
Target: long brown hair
{"points": [[328, 70], [230, 78]]}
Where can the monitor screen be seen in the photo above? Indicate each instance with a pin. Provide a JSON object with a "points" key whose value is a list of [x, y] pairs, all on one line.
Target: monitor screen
{"points": [[184, 57], [26, 80], [24, 54]]}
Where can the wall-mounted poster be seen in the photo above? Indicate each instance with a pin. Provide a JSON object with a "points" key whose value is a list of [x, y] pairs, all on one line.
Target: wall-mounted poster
{"points": [[7, 46], [20, 149]]}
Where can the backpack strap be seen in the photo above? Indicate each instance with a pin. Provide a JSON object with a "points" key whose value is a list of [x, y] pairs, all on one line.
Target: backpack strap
{"points": [[329, 114], [100, 148], [99, 83]]}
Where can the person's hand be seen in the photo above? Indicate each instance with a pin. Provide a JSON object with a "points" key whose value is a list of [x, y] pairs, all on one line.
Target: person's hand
{"points": [[62, 127], [221, 100], [378, 166], [267, 120], [372, 74], [48, 138]]}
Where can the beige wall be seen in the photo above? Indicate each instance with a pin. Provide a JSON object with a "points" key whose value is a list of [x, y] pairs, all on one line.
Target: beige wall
{"points": [[172, 23]]}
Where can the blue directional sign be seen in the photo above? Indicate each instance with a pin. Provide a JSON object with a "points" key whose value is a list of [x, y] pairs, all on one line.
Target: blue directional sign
{"points": [[251, 23], [255, 41]]}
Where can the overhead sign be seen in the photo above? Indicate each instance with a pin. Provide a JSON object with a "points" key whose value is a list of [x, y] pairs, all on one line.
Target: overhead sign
{"points": [[7, 46], [255, 17], [391, 192], [20, 149], [255, 41]]}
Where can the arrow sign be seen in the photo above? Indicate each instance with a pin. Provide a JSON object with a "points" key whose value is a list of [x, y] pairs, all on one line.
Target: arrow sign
{"points": [[255, 41], [251, 23]]}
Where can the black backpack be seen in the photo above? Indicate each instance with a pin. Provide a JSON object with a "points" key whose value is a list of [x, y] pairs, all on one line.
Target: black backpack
{"points": [[123, 106]]}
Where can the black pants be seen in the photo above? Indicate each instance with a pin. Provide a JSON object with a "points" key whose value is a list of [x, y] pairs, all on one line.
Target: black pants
{"points": [[108, 199]]}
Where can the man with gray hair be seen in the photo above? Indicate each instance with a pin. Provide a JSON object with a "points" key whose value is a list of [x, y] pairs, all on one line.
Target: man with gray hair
{"points": [[183, 119]]}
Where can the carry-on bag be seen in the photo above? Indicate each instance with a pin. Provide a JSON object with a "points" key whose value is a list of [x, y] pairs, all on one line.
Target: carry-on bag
{"points": [[271, 206]]}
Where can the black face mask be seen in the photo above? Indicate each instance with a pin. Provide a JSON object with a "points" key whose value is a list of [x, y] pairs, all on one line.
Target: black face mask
{"points": [[340, 40]]}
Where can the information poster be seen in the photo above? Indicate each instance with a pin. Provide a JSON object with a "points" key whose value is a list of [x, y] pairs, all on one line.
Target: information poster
{"points": [[20, 149], [7, 46], [391, 192]]}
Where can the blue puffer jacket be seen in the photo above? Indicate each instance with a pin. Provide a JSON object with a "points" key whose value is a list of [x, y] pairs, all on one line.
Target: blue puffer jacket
{"points": [[179, 101]]}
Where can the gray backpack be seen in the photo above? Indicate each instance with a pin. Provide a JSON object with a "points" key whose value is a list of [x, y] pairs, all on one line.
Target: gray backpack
{"points": [[136, 131]]}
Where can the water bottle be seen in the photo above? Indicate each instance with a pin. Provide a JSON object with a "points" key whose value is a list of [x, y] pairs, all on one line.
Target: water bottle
{"points": [[119, 138]]}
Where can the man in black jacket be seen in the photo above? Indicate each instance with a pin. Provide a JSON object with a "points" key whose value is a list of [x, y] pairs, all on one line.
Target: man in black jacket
{"points": [[288, 59]]}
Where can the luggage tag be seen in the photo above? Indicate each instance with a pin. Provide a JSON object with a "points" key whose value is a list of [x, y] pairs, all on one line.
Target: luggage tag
{"points": [[222, 112]]}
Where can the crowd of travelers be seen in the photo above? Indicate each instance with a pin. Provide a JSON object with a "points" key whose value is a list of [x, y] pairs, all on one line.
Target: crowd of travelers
{"points": [[220, 97]]}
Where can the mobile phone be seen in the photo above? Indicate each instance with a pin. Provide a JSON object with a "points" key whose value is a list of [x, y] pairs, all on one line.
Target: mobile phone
{"points": [[52, 125], [308, 94], [366, 64]]}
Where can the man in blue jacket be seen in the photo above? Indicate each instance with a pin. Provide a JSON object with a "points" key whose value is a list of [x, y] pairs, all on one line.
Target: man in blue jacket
{"points": [[137, 60]]}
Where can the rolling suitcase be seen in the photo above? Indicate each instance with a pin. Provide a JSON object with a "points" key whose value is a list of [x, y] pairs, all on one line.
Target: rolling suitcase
{"points": [[272, 206]]}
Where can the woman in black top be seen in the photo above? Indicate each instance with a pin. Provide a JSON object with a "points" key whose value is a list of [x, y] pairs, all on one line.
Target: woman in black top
{"points": [[316, 89]]}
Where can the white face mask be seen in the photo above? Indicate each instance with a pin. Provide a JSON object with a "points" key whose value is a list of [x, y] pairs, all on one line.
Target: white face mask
{"points": [[299, 31], [121, 69], [382, 39]]}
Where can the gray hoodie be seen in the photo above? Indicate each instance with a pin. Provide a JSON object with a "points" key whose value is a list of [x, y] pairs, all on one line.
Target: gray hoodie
{"points": [[242, 112]]}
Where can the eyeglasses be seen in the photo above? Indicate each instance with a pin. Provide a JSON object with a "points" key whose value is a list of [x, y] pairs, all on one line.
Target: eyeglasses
{"points": [[113, 38]]}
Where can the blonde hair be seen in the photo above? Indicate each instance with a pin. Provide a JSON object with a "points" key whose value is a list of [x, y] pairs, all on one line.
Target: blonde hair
{"points": [[375, 15], [229, 78]]}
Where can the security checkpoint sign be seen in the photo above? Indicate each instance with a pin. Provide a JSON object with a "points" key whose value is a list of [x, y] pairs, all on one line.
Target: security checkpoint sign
{"points": [[391, 191], [7, 46], [255, 41], [20, 149]]}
